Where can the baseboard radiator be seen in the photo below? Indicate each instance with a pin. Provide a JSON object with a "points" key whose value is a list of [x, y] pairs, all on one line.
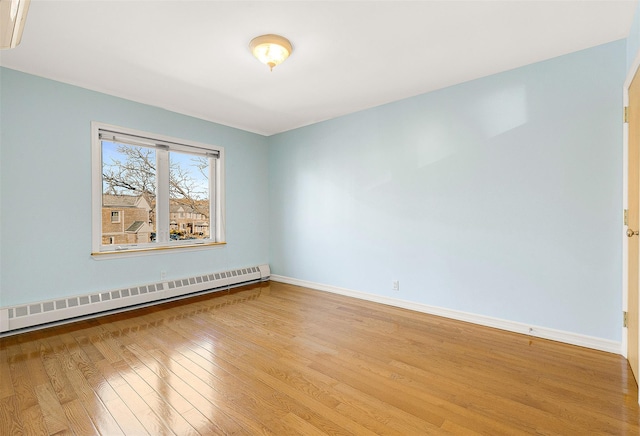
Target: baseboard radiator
{"points": [[44, 313]]}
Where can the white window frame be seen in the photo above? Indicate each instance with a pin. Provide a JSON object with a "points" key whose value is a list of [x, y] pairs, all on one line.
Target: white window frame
{"points": [[117, 215], [163, 145]]}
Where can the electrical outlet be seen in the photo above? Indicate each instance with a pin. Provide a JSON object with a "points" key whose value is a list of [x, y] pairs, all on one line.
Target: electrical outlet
{"points": [[163, 275], [395, 285]]}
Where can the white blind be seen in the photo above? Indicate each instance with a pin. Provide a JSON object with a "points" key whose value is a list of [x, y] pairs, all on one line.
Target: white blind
{"points": [[143, 141]]}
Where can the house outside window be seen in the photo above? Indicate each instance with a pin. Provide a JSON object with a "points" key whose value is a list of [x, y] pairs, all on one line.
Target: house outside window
{"points": [[132, 225]]}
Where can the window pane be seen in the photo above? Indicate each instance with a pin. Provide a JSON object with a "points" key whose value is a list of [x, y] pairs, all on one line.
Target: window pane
{"points": [[128, 194], [189, 196]]}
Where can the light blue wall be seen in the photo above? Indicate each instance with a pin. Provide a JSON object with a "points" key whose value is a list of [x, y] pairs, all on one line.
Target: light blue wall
{"points": [[45, 170], [500, 196]]}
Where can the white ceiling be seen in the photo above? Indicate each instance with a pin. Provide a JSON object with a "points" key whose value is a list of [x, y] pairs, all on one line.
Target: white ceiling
{"points": [[192, 57]]}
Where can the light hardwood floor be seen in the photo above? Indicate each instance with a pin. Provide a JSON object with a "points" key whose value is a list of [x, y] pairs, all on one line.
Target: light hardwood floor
{"points": [[279, 359]]}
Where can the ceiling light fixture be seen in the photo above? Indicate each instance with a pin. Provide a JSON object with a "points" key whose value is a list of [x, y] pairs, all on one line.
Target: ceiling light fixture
{"points": [[13, 14], [271, 49]]}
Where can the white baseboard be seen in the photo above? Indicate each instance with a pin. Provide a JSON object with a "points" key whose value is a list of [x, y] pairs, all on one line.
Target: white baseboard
{"points": [[512, 326]]}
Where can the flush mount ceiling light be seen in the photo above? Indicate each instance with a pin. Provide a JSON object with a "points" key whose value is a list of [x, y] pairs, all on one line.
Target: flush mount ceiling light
{"points": [[271, 49], [13, 14]]}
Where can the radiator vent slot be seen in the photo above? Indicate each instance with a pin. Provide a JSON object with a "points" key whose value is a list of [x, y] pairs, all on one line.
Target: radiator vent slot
{"points": [[59, 310]]}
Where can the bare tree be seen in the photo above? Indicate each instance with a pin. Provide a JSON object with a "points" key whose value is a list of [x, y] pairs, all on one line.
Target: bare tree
{"points": [[135, 174]]}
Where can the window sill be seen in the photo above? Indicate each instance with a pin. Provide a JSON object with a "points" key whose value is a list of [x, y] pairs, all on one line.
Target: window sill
{"points": [[129, 252]]}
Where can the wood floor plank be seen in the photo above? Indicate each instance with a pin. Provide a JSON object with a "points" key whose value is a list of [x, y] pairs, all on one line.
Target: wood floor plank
{"points": [[7, 351], [11, 421], [21, 382], [50, 361], [30, 347], [79, 420], [297, 425], [276, 359], [205, 426], [54, 417], [126, 419], [33, 419]]}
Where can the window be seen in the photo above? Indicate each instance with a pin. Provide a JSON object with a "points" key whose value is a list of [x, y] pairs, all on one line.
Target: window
{"points": [[148, 178]]}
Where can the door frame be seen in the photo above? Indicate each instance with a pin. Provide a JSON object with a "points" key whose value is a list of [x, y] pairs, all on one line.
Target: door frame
{"points": [[635, 69]]}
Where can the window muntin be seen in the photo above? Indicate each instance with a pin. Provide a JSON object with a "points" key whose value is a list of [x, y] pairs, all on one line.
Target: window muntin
{"points": [[166, 192]]}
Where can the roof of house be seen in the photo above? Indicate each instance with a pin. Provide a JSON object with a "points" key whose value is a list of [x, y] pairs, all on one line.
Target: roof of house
{"points": [[111, 200], [119, 200], [180, 207], [135, 227]]}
